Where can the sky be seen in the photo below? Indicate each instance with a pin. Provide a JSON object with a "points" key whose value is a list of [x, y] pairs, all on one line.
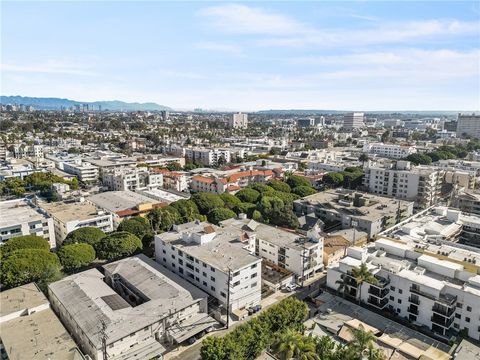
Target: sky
{"points": [[361, 55]]}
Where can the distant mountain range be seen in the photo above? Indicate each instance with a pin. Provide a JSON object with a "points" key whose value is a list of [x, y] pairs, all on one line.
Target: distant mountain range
{"points": [[57, 103], [339, 112]]}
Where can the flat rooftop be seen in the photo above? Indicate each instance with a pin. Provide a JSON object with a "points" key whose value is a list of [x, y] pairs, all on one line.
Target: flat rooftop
{"points": [[224, 252], [71, 211], [20, 298], [15, 212], [377, 207], [165, 196], [89, 299], [38, 336], [272, 234], [114, 201]]}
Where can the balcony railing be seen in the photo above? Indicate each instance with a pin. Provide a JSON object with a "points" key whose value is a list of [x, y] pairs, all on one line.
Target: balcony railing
{"points": [[448, 312], [442, 321], [377, 292], [414, 300], [377, 303], [413, 310]]}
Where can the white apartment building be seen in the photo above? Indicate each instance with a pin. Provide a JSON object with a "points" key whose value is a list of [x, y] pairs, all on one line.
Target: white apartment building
{"points": [[21, 217], [143, 307], [468, 125], [427, 289], [300, 254], [345, 209], [457, 164], [353, 121], [215, 259], [84, 171], [26, 151], [75, 215], [209, 157], [391, 151], [401, 180], [238, 121], [132, 178]]}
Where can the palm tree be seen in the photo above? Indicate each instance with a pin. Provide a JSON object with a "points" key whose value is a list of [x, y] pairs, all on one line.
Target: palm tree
{"points": [[362, 274], [362, 339], [293, 345], [325, 347], [363, 158]]}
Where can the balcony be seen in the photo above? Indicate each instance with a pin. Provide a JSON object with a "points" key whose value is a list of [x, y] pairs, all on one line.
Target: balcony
{"points": [[442, 310], [377, 303], [379, 293], [414, 300], [412, 309], [441, 321]]}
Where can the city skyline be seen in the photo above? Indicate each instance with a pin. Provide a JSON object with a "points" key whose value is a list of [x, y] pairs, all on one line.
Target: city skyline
{"points": [[246, 56]]}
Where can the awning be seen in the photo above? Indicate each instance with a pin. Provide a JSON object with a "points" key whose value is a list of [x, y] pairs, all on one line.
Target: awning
{"points": [[145, 350], [191, 327]]}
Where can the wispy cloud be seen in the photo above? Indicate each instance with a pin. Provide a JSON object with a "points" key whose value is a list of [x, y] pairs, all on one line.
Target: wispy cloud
{"points": [[49, 67], [281, 30], [221, 47]]}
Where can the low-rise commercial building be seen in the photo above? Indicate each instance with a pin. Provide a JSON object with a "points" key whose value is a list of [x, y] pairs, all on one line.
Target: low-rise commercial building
{"points": [[216, 259], [22, 217], [69, 216], [30, 330], [137, 308], [343, 209]]}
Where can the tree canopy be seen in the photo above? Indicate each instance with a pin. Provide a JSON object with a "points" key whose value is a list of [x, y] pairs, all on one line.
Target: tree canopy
{"points": [[137, 226], [24, 242], [248, 195], [295, 181], [303, 191], [89, 235], [187, 209], [219, 214], [279, 185], [73, 257], [206, 202], [118, 245]]}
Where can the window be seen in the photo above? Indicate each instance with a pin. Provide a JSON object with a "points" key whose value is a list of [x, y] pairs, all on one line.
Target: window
{"points": [[164, 251], [400, 291], [467, 319], [180, 270], [392, 288], [253, 266], [212, 278], [212, 288], [212, 268], [204, 274], [455, 325], [173, 256], [196, 270], [254, 284], [469, 308], [196, 278], [180, 253], [222, 294], [459, 305], [173, 265], [253, 276], [180, 261], [399, 301], [164, 260], [204, 265], [204, 283], [458, 316], [392, 298], [236, 273]]}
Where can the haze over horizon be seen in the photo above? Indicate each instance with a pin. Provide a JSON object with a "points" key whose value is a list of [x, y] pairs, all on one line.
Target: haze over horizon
{"points": [[246, 56]]}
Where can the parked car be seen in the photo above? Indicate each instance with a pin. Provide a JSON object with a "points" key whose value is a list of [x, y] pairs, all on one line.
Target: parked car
{"points": [[291, 287], [192, 340]]}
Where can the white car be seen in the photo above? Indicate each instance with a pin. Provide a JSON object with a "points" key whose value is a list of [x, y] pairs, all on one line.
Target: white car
{"points": [[291, 287]]}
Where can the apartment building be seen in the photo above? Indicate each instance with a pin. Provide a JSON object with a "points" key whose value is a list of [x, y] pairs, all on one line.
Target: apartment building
{"points": [[231, 182], [22, 217], [238, 121], [421, 184], [344, 209], [135, 305], [209, 157], [391, 151], [172, 180], [84, 171], [25, 151], [215, 259], [302, 255], [69, 216], [353, 121], [468, 201], [468, 125], [459, 165], [132, 178], [414, 282], [29, 329]]}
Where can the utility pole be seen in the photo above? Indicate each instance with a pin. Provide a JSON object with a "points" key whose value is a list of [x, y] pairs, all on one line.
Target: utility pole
{"points": [[228, 298], [104, 339]]}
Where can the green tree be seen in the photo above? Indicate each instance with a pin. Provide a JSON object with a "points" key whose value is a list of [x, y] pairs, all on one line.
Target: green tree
{"points": [[118, 245], [206, 202], [419, 159], [257, 216], [262, 188], [24, 242], [245, 208], [213, 348], [230, 201], [248, 195], [174, 166], [362, 274], [89, 235], [76, 256], [295, 181], [325, 348], [279, 185], [292, 345], [333, 179], [363, 158], [26, 265], [303, 191], [137, 226], [164, 218], [361, 339], [187, 209], [219, 214]]}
